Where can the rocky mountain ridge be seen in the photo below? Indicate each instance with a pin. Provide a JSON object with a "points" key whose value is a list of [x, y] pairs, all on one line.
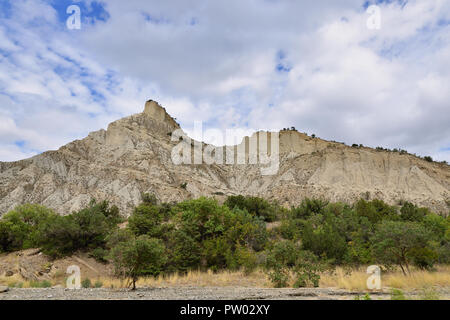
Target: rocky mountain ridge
{"points": [[134, 156]]}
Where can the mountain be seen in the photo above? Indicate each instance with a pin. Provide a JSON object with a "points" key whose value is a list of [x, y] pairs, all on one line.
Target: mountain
{"points": [[134, 156]]}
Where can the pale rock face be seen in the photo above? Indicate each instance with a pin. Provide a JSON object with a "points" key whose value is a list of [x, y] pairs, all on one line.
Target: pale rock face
{"points": [[133, 156]]}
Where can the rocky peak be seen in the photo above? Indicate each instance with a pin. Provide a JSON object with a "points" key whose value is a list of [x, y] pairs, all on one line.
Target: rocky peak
{"points": [[133, 156], [156, 112]]}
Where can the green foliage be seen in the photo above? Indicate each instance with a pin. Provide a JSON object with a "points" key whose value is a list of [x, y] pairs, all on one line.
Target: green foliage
{"points": [[149, 199], [201, 234], [410, 212], [376, 210], [19, 227], [99, 254], [205, 234], [367, 297], [255, 206], [290, 229], [15, 284], [98, 284], [40, 284], [146, 219], [308, 208], [86, 283], [323, 238], [397, 294], [402, 243], [287, 257], [246, 258], [307, 269], [139, 256], [428, 159], [342, 234], [85, 230], [184, 252], [279, 276]]}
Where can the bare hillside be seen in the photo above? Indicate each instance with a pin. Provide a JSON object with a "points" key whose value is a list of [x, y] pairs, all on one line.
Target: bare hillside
{"points": [[134, 155]]}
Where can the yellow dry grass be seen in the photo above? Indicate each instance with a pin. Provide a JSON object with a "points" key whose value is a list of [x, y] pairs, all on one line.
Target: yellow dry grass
{"points": [[198, 279], [418, 279], [340, 278]]}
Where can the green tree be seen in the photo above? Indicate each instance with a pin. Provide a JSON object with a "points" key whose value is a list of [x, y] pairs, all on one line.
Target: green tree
{"points": [[146, 219], [149, 199], [254, 205], [410, 212], [19, 227], [137, 257], [400, 243], [309, 207], [184, 252], [84, 230], [376, 210], [286, 258], [323, 238]]}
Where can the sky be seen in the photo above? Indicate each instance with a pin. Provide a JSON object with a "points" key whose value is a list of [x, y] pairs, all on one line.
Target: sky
{"points": [[255, 64]]}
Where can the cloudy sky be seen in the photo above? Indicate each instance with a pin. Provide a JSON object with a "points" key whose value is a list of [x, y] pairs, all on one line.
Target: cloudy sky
{"points": [[260, 64]]}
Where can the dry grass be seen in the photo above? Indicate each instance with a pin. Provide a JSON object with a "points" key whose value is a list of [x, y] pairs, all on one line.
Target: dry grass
{"points": [[349, 280], [257, 279], [16, 281], [340, 278], [418, 279]]}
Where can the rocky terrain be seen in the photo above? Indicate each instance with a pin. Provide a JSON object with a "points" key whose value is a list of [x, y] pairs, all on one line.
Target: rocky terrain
{"points": [[32, 265], [196, 293], [134, 156]]}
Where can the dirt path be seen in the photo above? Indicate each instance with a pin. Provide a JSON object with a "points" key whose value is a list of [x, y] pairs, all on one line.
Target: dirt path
{"points": [[196, 293]]}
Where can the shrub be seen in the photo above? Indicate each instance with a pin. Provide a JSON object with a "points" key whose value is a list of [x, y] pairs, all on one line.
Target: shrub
{"points": [[307, 269], [149, 199], [246, 259], [184, 252], [285, 258], [367, 297], [254, 205], [324, 240], [375, 210], [98, 284], [100, 255], [308, 208], [428, 159], [86, 283], [397, 294], [40, 284], [402, 243], [86, 230], [218, 253], [290, 229], [146, 219], [410, 212], [138, 257], [279, 276], [19, 227]]}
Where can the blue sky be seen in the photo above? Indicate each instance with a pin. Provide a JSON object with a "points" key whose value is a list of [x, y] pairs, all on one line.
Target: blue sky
{"points": [[256, 64]]}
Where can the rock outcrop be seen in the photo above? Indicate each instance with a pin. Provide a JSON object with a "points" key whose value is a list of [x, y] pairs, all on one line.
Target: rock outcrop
{"points": [[134, 156]]}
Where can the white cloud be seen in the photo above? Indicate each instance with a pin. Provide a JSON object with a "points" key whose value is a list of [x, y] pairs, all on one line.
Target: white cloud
{"points": [[216, 61]]}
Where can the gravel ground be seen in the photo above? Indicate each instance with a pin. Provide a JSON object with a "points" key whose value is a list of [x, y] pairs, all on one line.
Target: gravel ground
{"points": [[194, 293]]}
